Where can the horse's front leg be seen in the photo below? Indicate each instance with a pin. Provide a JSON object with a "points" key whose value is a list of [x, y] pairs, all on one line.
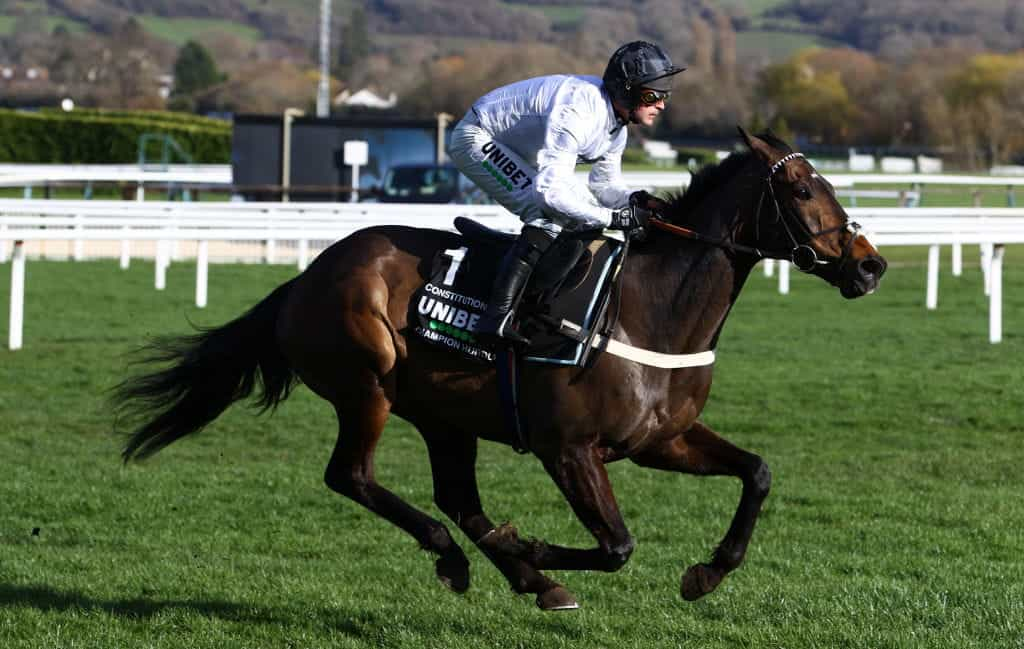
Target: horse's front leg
{"points": [[701, 451], [580, 474]]}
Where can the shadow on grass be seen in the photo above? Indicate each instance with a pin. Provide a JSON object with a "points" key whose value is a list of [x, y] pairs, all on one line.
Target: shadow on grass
{"points": [[46, 599]]}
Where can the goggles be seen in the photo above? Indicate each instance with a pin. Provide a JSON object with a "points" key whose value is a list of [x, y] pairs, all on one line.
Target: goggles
{"points": [[649, 97]]}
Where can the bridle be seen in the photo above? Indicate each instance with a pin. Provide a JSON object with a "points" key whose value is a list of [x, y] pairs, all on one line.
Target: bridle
{"points": [[802, 255]]}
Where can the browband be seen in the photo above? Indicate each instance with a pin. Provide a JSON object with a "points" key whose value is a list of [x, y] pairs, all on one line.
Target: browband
{"points": [[781, 163]]}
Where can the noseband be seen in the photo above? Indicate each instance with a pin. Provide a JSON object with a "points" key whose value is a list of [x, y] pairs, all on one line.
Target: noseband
{"points": [[802, 255]]}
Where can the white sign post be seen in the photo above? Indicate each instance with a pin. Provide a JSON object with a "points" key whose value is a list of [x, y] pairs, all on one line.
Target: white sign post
{"points": [[357, 154]]}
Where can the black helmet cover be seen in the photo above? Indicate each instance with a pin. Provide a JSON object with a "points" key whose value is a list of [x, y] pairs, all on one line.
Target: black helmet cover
{"points": [[636, 65]]}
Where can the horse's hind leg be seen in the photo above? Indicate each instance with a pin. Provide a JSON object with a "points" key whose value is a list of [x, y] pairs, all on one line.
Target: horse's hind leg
{"points": [[337, 335], [580, 474], [350, 473], [453, 463], [701, 451]]}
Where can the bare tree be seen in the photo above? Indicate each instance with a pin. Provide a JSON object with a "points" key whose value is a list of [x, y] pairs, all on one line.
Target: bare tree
{"points": [[703, 45], [725, 47]]}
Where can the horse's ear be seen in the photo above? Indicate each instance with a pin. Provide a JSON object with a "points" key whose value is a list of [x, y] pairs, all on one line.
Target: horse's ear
{"points": [[769, 154]]}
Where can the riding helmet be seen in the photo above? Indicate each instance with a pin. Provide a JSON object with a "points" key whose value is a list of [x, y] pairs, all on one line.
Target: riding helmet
{"points": [[636, 65]]}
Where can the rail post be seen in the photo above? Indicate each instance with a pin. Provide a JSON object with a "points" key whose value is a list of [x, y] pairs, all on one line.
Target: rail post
{"points": [[17, 320], [160, 282], [126, 250], [995, 304], [783, 277], [78, 249], [202, 273], [986, 266], [932, 294]]}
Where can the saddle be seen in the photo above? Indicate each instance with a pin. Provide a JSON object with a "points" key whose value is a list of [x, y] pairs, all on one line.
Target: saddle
{"points": [[564, 308], [563, 311]]}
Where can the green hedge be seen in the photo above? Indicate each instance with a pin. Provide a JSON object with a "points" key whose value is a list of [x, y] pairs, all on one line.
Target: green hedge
{"points": [[106, 137], [634, 155], [162, 116], [700, 155]]}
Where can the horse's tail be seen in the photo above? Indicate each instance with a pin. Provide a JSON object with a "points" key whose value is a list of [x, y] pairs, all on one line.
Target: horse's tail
{"points": [[207, 372]]}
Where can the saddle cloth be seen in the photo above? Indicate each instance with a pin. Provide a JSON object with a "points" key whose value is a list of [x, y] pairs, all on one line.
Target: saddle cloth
{"points": [[560, 319]]}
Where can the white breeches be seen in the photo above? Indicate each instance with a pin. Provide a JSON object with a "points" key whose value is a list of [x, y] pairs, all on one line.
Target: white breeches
{"points": [[500, 173]]}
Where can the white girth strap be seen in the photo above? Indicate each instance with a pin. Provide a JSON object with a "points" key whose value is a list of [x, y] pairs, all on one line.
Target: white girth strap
{"points": [[656, 359]]}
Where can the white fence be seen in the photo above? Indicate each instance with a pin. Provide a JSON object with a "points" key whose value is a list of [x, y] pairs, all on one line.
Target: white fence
{"points": [[861, 162], [35, 175], [895, 165], [990, 228], [260, 226], [24, 175], [660, 152]]}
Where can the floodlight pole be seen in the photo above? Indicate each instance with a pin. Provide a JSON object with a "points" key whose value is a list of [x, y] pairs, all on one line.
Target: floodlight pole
{"points": [[323, 94]]}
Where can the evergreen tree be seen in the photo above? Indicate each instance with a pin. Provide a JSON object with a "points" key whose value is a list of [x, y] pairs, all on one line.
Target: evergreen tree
{"points": [[194, 70], [355, 42]]}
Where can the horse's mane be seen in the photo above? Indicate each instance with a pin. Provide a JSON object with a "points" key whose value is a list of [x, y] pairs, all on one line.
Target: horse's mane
{"points": [[683, 204]]}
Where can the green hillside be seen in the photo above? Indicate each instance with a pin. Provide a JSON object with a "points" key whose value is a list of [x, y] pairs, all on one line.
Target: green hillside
{"points": [[295, 21], [562, 16], [777, 44], [181, 30], [758, 7], [7, 24]]}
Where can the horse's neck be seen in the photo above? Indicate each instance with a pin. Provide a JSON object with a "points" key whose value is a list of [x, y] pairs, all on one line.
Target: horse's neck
{"points": [[679, 292]]}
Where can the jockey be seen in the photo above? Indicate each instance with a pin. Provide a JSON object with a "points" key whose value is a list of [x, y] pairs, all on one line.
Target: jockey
{"points": [[520, 144]]}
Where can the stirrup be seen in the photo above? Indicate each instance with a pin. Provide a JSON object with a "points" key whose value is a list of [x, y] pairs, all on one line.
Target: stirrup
{"points": [[511, 334], [504, 332]]}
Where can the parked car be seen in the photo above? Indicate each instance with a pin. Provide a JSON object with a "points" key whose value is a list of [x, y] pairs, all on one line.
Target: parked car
{"points": [[427, 183]]}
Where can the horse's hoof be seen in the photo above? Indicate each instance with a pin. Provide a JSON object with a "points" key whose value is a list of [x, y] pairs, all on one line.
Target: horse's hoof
{"points": [[453, 571], [557, 599], [699, 580]]}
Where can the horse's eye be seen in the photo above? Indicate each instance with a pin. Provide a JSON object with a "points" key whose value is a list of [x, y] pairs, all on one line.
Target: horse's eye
{"points": [[802, 192]]}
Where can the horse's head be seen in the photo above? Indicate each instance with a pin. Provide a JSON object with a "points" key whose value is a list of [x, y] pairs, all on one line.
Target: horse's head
{"points": [[798, 218]]}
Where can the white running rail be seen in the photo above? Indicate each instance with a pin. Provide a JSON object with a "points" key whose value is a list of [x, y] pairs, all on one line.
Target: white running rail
{"points": [[314, 225]]}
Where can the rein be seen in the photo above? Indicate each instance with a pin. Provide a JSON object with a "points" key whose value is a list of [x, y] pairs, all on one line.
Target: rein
{"points": [[803, 256], [728, 244]]}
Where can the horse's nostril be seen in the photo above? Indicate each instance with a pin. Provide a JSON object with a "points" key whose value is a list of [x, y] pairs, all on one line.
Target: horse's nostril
{"points": [[872, 266]]}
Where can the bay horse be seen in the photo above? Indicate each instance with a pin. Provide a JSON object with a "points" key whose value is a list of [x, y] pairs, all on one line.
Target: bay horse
{"points": [[341, 328]]}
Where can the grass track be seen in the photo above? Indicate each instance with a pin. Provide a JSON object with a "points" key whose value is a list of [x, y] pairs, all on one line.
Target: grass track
{"points": [[895, 520]]}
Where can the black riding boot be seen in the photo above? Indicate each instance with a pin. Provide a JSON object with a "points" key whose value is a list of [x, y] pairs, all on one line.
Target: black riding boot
{"points": [[513, 275]]}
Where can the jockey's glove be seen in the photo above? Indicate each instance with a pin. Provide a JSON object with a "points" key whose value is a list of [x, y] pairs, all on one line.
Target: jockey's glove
{"points": [[647, 201], [628, 219], [632, 220]]}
